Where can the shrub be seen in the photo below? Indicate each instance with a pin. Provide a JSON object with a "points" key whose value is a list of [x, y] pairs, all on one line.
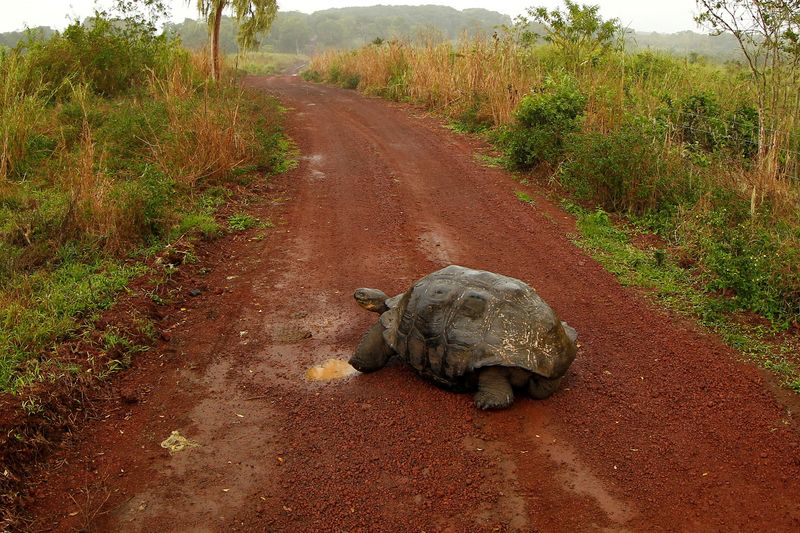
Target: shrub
{"points": [[742, 131], [351, 81], [625, 170], [696, 120], [312, 75], [751, 260], [542, 122], [111, 56], [471, 120], [128, 131]]}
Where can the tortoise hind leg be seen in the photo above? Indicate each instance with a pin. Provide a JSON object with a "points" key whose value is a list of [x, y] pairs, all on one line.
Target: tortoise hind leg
{"points": [[540, 387], [372, 352], [494, 389]]}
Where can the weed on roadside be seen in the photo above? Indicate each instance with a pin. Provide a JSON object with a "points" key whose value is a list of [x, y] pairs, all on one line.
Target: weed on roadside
{"points": [[524, 197], [242, 222], [678, 290]]}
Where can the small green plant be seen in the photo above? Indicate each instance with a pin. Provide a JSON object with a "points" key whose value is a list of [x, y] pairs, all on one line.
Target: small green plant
{"points": [[242, 222], [312, 76], [522, 196], [32, 406], [470, 120], [156, 298], [201, 224]]}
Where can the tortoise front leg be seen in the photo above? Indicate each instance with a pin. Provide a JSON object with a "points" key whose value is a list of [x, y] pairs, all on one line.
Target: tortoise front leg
{"points": [[372, 352], [540, 387], [494, 389]]}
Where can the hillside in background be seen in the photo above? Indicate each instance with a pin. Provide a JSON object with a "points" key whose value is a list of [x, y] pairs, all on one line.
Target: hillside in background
{"points": [[352, 27], [11, 38], [687, 43]]}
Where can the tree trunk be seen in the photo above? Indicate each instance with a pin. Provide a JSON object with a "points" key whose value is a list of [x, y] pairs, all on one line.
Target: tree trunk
{"points": [[216, 72]]}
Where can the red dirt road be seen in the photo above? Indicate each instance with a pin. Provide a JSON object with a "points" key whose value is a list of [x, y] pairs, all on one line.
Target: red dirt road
{"points": [[658, 426]]}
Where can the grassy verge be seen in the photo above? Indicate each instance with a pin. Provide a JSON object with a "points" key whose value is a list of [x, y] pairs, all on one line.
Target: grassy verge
{"points": [[267, 63], [678, 290], [114, 146]]}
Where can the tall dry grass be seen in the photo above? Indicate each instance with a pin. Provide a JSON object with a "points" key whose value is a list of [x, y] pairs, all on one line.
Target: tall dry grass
{"points": [[485, 78], [22, 110], [210, 140]]}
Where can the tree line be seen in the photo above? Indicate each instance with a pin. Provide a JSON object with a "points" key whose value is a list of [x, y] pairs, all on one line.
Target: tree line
{"points": [[352, 27]]}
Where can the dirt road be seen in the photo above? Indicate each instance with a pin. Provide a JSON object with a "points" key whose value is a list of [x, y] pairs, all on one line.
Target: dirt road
{"points": [[658, 427]]}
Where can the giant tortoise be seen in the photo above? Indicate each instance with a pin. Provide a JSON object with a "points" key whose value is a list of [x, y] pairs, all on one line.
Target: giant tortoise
{"points": [[468, 329]]}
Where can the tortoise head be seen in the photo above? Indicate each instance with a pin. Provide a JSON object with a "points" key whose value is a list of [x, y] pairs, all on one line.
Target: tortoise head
{"points": [[371, 300]]}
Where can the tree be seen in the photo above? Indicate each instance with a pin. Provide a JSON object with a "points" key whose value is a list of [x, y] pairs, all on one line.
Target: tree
{"points": [[579, 33], [253, 17], [768, 34], [291, 32], [144, 12]]}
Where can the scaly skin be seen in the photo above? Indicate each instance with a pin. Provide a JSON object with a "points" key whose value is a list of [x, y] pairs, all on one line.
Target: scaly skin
{"points": [[494, 389], [371, 299], [372, 352]]}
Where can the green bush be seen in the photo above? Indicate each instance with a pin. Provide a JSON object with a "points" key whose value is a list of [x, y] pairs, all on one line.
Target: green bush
{"points": [[542, 122], [650, 66], [128, 132], [351, 81], [312, 75], [697, 120], [470, 120], [335, 74], [145, 204], [625, 170], [742, 131], [751, 260], [112, 56]]}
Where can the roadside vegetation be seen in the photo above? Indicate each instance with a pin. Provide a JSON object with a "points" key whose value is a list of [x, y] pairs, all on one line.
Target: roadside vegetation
{"points": [[267, 63], [702, 157], [114, 143]]}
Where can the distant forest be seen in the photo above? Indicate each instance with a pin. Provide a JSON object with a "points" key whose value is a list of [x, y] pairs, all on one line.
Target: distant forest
{"points": [[352, 27]]}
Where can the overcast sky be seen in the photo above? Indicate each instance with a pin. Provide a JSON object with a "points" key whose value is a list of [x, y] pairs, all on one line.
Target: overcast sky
{"points": [[666, 16]]}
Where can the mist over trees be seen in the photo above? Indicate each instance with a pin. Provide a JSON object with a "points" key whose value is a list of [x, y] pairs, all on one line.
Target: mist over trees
{"points": [[352, 27]]}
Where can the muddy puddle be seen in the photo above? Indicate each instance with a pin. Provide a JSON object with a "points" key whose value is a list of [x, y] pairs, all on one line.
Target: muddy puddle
{"points": [[330, 370]]}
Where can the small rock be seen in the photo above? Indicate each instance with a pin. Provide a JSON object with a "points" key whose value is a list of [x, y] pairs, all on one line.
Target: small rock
{"points": [[129, 397], [195, 292], [166, 336]]}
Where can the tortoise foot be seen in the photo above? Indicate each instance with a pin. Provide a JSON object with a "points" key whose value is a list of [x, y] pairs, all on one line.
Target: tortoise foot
{"points": [[541, 388], [372, 352], [494, 389]]}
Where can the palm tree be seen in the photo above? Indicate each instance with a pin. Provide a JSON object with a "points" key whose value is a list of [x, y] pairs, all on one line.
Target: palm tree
{"points": [[253, 17]]}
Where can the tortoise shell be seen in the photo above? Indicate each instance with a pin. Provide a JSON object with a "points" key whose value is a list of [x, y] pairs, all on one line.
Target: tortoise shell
{"points": [[457, 320]]}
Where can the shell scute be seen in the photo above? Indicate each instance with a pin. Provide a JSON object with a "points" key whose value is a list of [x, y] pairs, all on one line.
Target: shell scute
{"points": [[458, 320]]}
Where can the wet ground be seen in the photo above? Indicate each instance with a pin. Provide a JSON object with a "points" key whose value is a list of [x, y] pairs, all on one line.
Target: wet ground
{"points": [[658, 426]]}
